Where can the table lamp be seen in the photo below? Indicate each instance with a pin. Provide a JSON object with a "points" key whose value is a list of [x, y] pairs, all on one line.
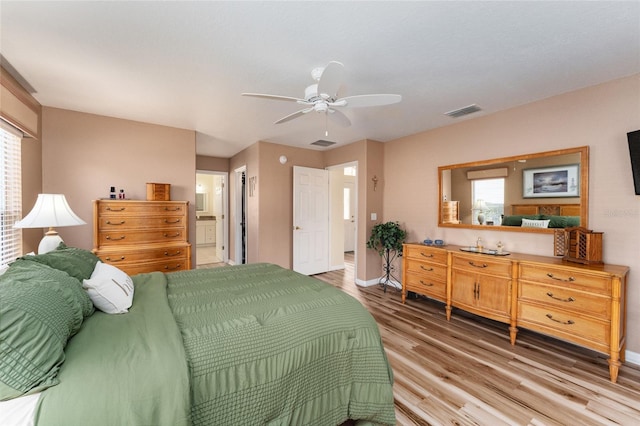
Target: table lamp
{"points": [[50, 210], [481, 206]]}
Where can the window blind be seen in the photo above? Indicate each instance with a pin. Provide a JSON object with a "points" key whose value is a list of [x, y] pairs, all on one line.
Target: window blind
{"points": [[10, 194]]}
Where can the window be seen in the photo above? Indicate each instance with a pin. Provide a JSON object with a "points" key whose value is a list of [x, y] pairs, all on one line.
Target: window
{"points": [[492, 192], [350, 171], [10, 195], [346, 204]]}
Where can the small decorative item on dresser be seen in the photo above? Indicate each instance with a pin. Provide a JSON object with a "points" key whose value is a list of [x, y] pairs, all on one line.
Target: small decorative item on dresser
{"points": [[158, 192], [582, 245]]}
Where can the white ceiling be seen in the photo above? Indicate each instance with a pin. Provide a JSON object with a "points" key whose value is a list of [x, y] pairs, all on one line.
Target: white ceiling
{"points": [[185, 64]]}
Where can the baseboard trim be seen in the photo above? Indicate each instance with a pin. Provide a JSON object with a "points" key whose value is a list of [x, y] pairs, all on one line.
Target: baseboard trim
{"points": [[632, 357], [376, 281]]}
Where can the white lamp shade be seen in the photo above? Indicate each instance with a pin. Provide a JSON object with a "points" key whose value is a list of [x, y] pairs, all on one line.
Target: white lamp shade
{"points": [[480, 204], [50, 210]]}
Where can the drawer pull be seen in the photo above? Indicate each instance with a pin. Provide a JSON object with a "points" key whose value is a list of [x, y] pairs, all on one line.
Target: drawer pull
{"points": [[476, 290], [114, 223], [111, 209], [115, 260], [568, 299], [177, 234], [110, 238], [426, 255], [175, 221], [568, 322], [568, 280], [166, 253], [426, 284], [426, 269], [484, 265], [177, 209], [174, 267]]}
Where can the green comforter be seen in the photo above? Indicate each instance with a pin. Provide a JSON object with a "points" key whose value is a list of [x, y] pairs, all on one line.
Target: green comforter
{"points": [[254, 345]]}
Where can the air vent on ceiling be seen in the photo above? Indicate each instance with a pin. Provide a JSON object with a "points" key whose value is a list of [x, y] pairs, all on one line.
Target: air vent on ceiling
{"points": [[321, 142], [463, 111]]}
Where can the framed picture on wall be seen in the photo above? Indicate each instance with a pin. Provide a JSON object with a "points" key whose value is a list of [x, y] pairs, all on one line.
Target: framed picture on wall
{"points": [[549, 182]]}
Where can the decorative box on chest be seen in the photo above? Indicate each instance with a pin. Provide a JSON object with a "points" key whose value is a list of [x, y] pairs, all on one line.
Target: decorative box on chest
{"points": [[142, 236], [579, 245]]}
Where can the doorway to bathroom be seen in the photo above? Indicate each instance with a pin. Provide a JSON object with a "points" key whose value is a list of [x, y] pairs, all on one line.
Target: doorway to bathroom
{"points": [[211, 219]]}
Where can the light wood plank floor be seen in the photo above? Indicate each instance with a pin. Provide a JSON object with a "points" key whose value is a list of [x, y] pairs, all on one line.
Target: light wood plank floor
{"points": [[465, 371]]}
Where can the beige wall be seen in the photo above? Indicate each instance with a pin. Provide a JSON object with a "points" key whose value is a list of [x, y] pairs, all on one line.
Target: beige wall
{"points": [[598, 116], [85, 154], [215, 164]]}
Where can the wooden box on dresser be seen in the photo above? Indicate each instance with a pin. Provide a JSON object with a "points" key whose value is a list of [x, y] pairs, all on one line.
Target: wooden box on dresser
{"points": [[142, 236], [582, 304]]}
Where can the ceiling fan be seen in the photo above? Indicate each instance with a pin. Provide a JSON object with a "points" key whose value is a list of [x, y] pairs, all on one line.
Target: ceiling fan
{"points": [[323, 96]]}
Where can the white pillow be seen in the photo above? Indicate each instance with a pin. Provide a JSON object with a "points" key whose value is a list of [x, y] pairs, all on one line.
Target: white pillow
{"points": [[532, 223], [110, 289]]}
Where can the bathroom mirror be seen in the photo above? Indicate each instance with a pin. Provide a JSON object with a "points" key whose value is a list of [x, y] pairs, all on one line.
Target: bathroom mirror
{"points": [[501, 193]]}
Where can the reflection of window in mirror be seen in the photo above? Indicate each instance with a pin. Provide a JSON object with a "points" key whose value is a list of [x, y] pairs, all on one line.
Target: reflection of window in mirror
{"points": [[201, 202], [491, 191]]}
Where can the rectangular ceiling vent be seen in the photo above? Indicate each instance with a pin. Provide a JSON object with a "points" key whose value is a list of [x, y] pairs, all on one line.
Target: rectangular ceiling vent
{"points": [[463, 111], [321, 142]]}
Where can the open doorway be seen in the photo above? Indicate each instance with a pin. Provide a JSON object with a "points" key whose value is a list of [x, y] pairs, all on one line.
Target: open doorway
{"points": [[211, 218], [343, 195]]}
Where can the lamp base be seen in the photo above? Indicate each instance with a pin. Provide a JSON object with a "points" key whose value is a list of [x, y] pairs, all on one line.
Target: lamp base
{"points": [[481, 218], [49, 242]]}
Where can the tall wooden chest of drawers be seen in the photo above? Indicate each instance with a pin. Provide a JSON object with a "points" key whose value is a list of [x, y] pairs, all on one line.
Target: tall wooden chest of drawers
{"points": [[142, 236]]}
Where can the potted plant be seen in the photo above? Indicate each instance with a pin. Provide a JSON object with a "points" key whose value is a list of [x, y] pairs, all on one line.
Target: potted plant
{"points": [[386, 239]]}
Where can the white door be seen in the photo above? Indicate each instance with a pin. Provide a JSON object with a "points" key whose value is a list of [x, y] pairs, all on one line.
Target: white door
{"points": [[219, 211], [310, 220], [349, 215]]}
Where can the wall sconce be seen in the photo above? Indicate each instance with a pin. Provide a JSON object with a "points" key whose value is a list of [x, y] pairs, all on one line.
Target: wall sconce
{"points": [[374, 179]]}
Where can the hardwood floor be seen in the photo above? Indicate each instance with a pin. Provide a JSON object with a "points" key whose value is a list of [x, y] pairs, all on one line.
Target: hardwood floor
{"points": [[465, 371]]}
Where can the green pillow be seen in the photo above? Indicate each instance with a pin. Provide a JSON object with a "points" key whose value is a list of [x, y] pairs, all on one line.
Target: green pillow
{"points": [[77, 262], [40, 311], [556, 221], [516, 220], [573, 221]]}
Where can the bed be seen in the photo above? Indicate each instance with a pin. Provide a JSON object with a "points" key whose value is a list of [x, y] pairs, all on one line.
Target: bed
{"points": [[543, 215], [250, 344]]}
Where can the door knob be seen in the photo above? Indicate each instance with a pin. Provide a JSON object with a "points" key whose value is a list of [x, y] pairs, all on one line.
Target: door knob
{"points": [[296, 228]]}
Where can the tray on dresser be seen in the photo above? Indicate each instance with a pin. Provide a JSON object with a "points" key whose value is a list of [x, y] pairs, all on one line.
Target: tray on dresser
{"points": [[484, 251]]}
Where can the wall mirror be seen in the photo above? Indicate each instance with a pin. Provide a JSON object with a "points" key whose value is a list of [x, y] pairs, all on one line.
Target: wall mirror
{"points": [[536, 192]]}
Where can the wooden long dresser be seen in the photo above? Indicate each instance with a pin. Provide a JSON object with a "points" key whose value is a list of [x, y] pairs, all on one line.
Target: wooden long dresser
{"points": [[582, 304], [142, 236]]}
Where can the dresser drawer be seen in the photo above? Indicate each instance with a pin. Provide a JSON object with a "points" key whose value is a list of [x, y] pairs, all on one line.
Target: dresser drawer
{"points": [[163, 266], [570, 326], [146, 208], [428, 286], [432, 271], [482, 264], [118, 237], [566, 298], [115, 255], [564, 276], [107, 223], [431, 254]]}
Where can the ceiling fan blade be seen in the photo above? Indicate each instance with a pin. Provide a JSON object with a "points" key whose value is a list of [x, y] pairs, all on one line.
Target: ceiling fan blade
{"points": [[360, 101], [338, 117], [293, 115], [330, 79], [275, 97]]}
